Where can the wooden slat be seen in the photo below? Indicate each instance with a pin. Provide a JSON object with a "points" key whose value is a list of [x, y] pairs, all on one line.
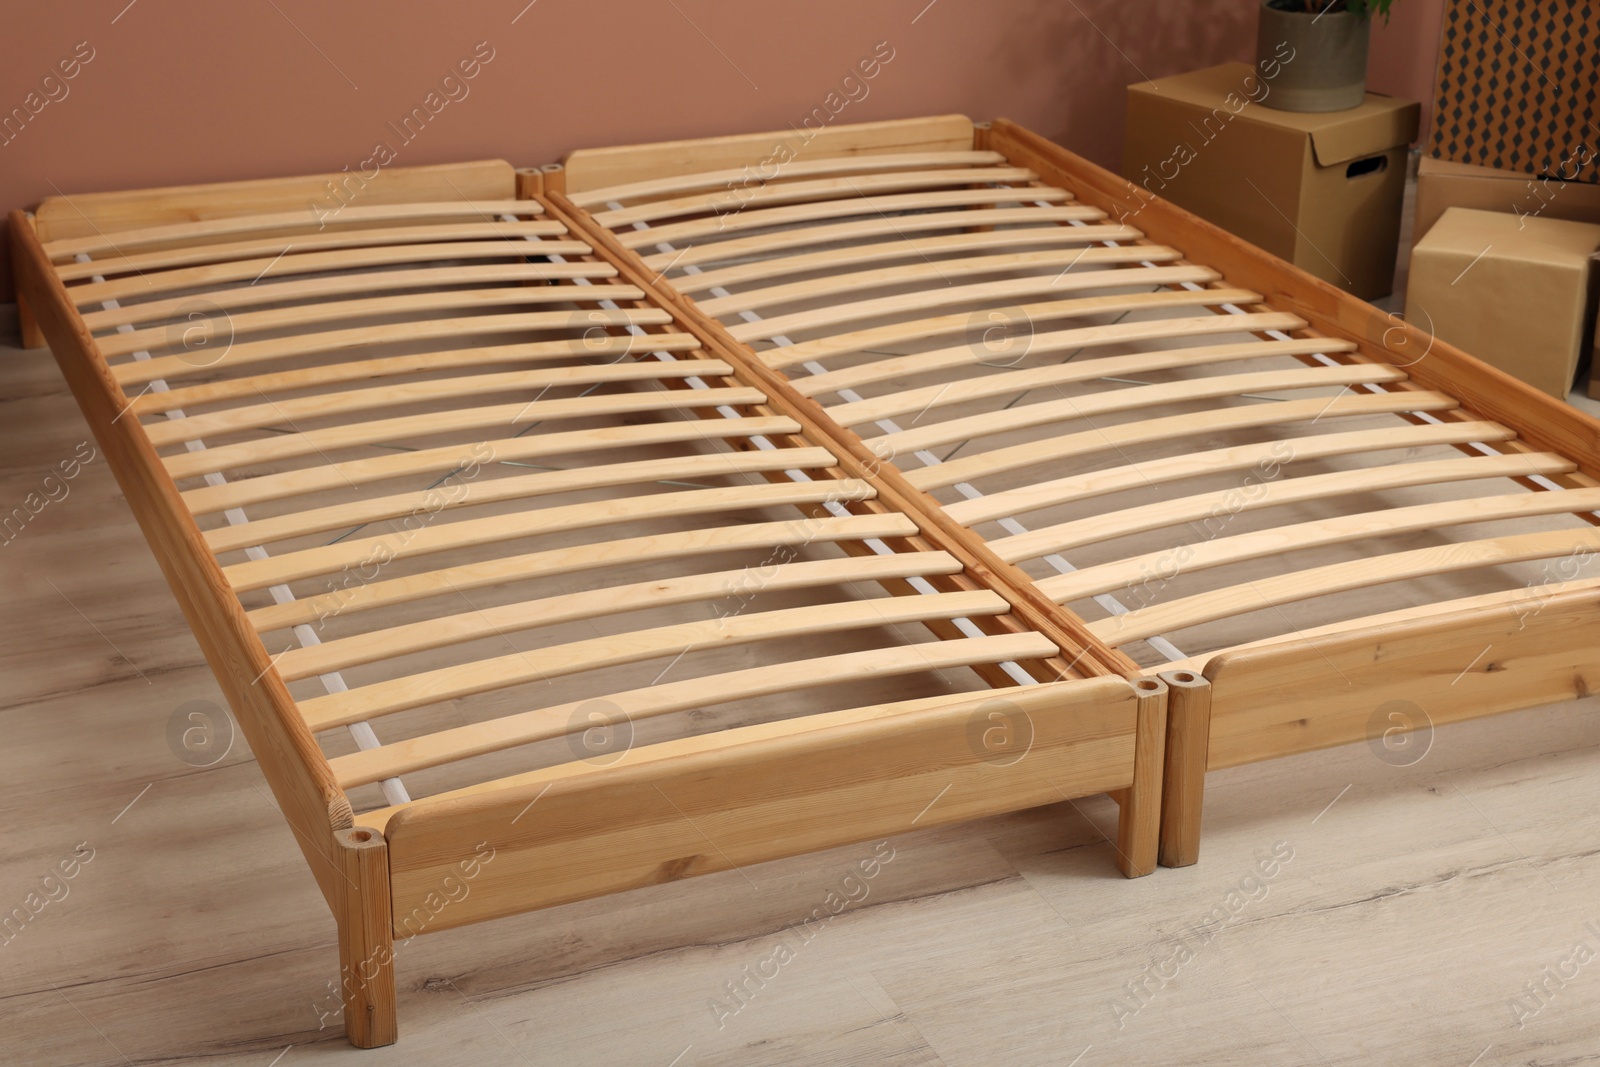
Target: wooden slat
{"points": [[1339, 529], [273, 292], [518, 668], [1231, 501], [599, 169], [851, 207], [862, 185], [972, 295], [191, 255], [158, 338], [843, 344], [722, 180], [363, 594], [281, 222], [1278, 590], [83, 214], [902, 247], [1266, 455], [716, 742], [764, 244], [607, 348], [438, 499], [179, 366], [288, 411], [285, 266], [1148, 431], [1024, 416], [935, 271], [1039, 344], [355, 472], [413, 427], [524, 728], [438, 537], [1000, 382], [598, 602]]}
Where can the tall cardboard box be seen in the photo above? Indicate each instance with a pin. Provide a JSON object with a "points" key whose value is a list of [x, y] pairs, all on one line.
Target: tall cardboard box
{"points": [[1323, 191], [1515, 292], [1442, 184]]}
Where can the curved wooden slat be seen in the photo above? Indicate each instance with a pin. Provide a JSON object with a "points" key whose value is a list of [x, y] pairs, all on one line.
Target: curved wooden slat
{"points": [[138, 372], [598, 602], [763, 244], [527, 727], [851, 207], [1336, 530], [1341, 577], [903, 247], [158, 338], [229, 300], [975, 322], [1234, 500], [298, 264], [607, 348], [1148, 431], [1001, 382], [1024, 416], [438, 537], [215, 253], [936, 271], [518, 668], [864, 185], [411, 427], [355, 472], [964, 355], [286, 222], [1266, 455], [288, 411], [363, 593], [794, 168], [438, 499], [1006, 289]]}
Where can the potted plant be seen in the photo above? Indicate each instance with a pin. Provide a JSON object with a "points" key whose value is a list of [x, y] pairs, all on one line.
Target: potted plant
{"points": [[1320, 47]]}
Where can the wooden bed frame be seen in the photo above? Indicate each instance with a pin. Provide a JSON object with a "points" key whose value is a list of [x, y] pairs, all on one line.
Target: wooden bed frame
{"points": [[732, 387]]}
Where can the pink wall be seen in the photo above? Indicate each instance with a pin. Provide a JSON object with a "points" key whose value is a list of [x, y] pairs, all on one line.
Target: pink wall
{"points": [[274, 87], [1405, 54]]}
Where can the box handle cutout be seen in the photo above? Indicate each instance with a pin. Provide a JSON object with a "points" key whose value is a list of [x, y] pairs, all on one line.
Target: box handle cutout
{"points": [[1371, 165]]}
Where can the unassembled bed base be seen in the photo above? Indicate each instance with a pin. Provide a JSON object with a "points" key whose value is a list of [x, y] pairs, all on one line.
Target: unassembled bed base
{"points": [[432, 473]]}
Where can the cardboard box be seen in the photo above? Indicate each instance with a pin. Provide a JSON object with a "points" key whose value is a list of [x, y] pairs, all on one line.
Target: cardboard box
{"points": [[1516, 87], [1515, 292], [1442, 184], [1323, 191]]}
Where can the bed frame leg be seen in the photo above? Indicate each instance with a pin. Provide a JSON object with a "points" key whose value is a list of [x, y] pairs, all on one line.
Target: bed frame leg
{"points": [[1184, 786], [1139, 825], [366, 939]]}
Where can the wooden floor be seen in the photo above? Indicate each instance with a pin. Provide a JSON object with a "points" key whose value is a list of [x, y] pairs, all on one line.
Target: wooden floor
{"points": [[1346, 910]]}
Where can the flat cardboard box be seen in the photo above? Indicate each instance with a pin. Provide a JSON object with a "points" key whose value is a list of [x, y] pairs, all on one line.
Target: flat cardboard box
{"points": [[1442, 184], [1515, 292], [1323, 191]]}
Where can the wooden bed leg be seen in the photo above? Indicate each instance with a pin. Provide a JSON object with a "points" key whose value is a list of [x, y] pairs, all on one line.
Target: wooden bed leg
{"points": [[1139, 825], [27, 324], [366, 939], [1184, 785]]}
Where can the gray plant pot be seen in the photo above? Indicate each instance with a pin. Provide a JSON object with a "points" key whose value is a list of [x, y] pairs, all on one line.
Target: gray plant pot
{"points": [[1321, 60]]}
